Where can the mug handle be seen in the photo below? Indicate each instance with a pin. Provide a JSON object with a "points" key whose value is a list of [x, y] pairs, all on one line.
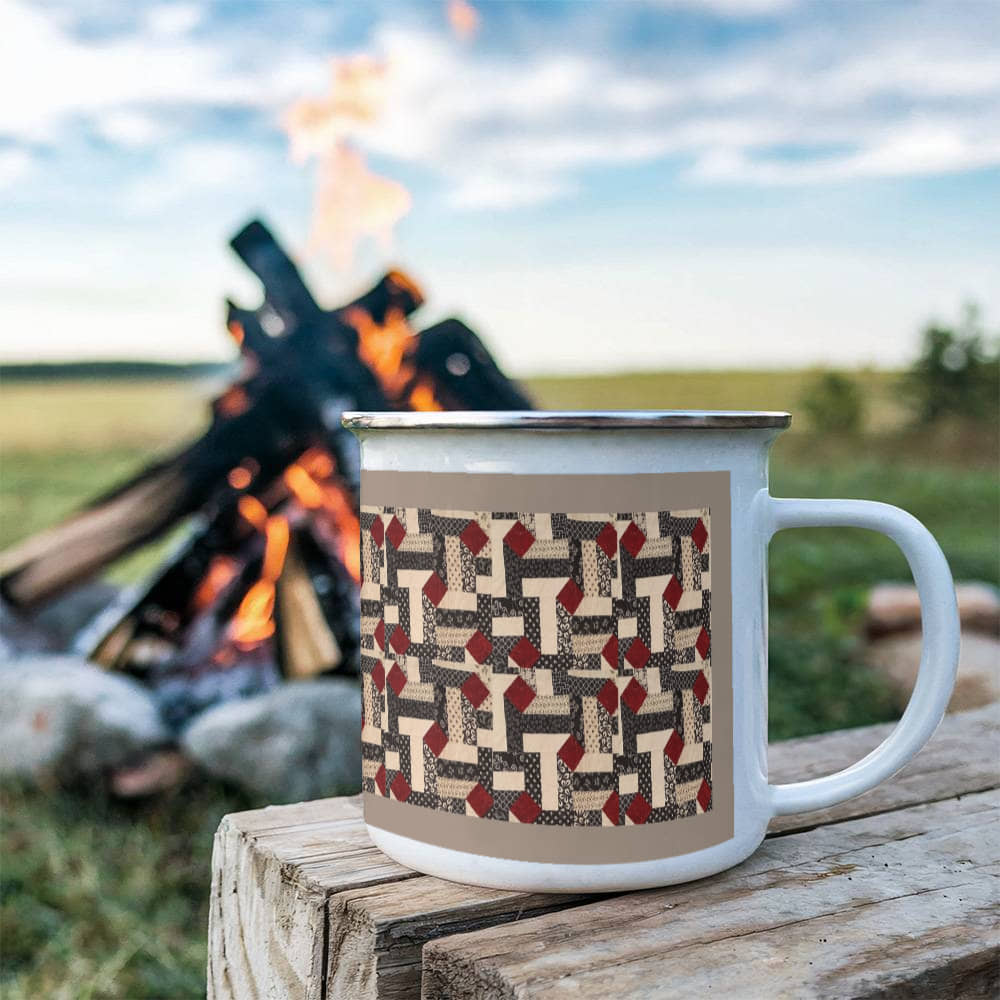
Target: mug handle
{"points": [[939, 656]]}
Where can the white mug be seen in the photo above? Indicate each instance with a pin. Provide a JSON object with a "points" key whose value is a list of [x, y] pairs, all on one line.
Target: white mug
{"points": [[564, 644]]}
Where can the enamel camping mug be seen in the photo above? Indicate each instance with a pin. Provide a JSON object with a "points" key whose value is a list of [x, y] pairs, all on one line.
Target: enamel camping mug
{"points": [[564, 644]]}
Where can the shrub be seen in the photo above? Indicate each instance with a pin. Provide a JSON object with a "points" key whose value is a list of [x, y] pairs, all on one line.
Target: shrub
{"points": [[957, 373], [835, 404]]}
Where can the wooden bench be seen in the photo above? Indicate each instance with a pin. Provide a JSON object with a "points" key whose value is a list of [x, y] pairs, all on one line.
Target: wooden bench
{"points": [[894, 893]]}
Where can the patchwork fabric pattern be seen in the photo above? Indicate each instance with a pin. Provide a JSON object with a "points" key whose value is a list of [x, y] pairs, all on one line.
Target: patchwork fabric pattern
{"points": [[541, 668]]}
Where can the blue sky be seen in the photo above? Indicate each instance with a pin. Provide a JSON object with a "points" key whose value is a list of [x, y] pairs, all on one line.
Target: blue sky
{"points": [[596, 186]]}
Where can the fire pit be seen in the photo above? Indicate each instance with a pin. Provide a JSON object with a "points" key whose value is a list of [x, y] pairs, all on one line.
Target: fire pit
{"points": [[263, 587]]}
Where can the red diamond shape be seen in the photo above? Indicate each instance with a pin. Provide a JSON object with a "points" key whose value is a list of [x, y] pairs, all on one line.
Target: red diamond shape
{"points": [[634, 695], [571, 753], [674, 747], [519, 694], [633, 539], [519, 539], [611, 808], [638, 809], [703, 644], [525, 808], [524, 654], [699, 534], [399, 640], [673, 593], [380, 634], [436, 739], [435, 588], [608, 697], [610, 651], [395, 532], [479, 646], [700, 687], [570, 596], [397, 679], [400, 787], [637, 654], [473, 537], [380, 779], [608, 540], [705, 795], [475, 690], [480, 800], [378, 531], [378, 676]]}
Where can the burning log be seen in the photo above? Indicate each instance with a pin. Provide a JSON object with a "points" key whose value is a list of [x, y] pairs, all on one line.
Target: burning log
{"points": [[260, 424], [265, 583]]}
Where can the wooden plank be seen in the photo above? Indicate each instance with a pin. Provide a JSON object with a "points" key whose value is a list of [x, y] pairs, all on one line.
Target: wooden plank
{"points": [[886, 904], [338, 896], [378, 933], [960, 758], [272, 873], [381, 931]]}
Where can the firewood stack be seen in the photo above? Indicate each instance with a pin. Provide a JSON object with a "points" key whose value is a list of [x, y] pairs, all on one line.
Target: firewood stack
{"points": [[263, 586]]}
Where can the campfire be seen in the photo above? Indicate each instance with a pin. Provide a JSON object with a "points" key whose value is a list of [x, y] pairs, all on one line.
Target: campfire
{"points": [[263, 586]]}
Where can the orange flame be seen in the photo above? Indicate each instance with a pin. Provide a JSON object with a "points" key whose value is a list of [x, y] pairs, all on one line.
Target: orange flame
{"points": [[386, 348], [221, 571], [357, 92], [310, 482], [252, 510], [353, 204], [463, 18], [254, 619]]}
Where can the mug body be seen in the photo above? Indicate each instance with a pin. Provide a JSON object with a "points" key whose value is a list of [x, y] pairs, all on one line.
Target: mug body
{"points": [[563, 623]]}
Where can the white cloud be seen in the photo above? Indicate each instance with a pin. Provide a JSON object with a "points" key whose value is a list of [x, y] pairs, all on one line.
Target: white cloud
{"points": [[57, 78], [14, 164], [174, 18], [897, 98], [889, 91]]}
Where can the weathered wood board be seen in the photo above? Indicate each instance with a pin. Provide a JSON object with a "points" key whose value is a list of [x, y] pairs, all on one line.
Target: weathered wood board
{"points": [[304, 906], [859, 907]]}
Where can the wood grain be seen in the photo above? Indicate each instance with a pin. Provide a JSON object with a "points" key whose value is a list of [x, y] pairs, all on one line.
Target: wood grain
{"points": [[837, 910], [961, 757], [302, 902], [272, 873]]}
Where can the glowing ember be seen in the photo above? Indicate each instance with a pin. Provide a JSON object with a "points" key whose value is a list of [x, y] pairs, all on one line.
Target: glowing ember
{"points": [[252, 510], [305, 489], [463, 18], [221, 572], [239, 478], [233, 402]]}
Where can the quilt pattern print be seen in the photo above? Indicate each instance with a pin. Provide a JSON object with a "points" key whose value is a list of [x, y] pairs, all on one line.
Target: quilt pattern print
{"points": [[541, 668]]}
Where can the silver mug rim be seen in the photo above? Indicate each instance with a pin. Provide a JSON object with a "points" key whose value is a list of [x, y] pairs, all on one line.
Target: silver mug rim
{"points": [[476, 420]]}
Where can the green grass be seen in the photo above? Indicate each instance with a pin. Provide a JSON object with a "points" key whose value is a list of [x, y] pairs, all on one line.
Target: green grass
{"points": [[104, 899]]}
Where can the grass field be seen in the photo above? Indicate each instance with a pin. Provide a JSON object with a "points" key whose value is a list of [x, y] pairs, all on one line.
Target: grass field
{"points": [[104, 899]]}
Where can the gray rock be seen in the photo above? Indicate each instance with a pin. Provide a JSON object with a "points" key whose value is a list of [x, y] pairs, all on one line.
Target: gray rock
{"points": [[895, 607], [62, 716], [978, 680], [299, 741]]}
